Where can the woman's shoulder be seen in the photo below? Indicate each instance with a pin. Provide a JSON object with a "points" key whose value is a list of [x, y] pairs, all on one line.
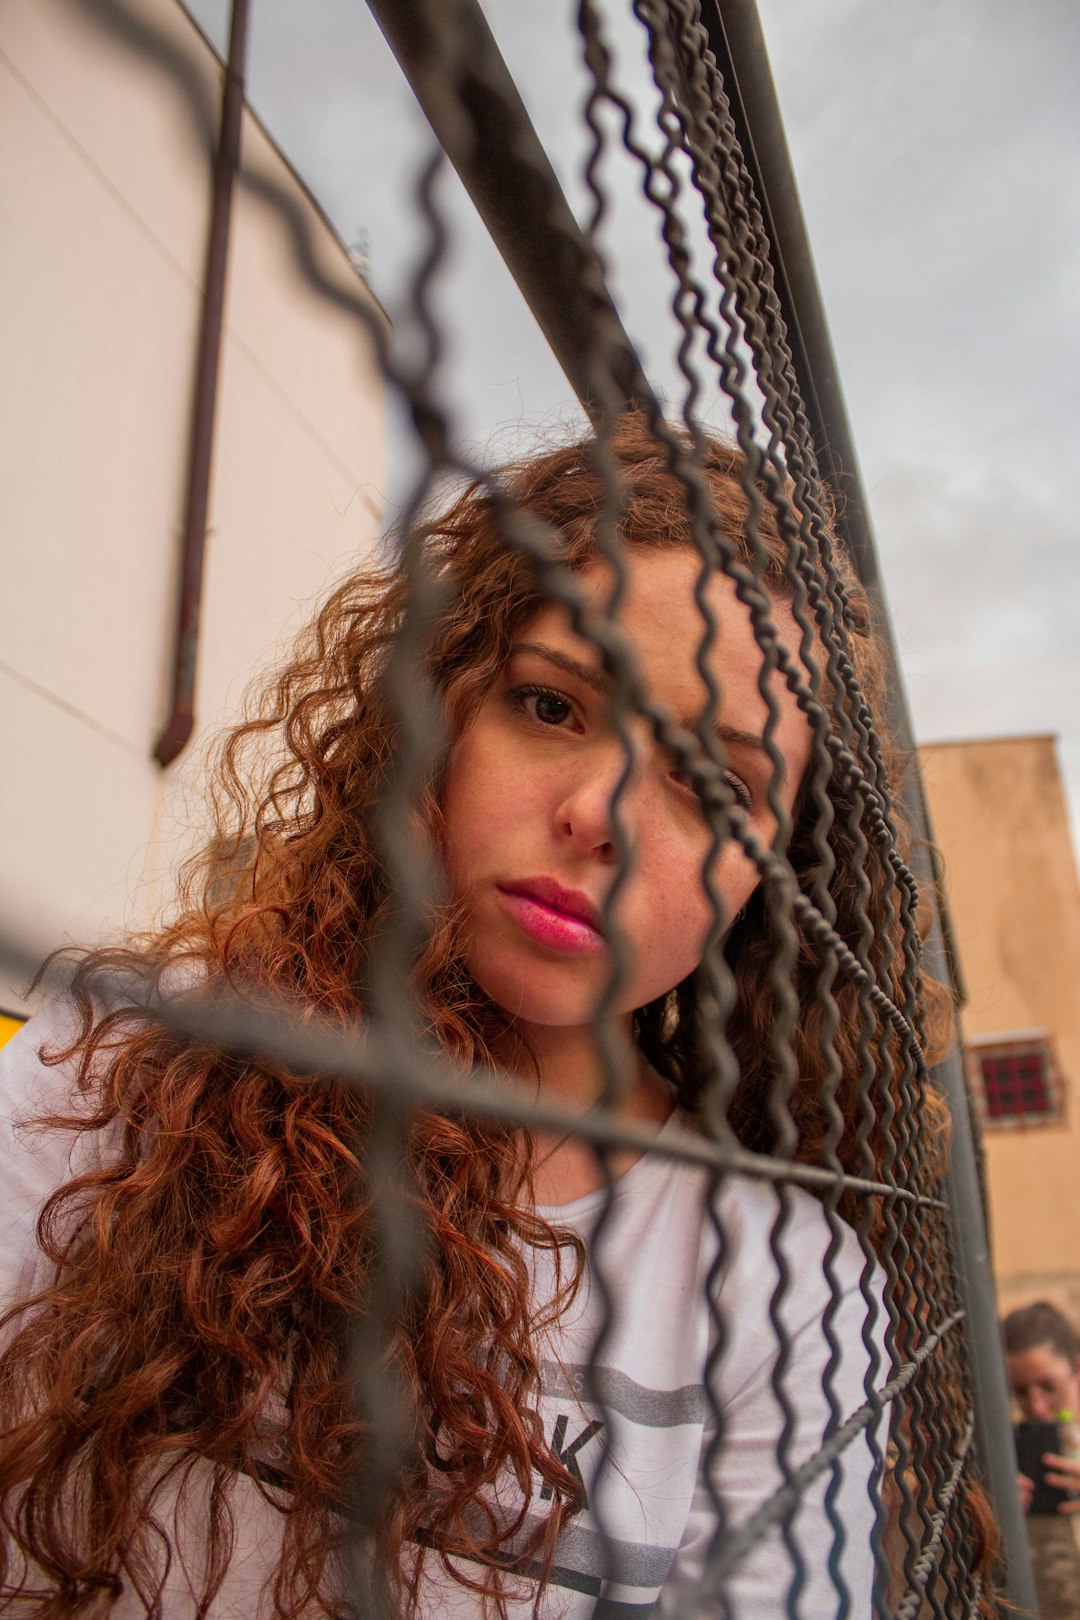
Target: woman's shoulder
{"points": [[753, 1219], [779, 1238], [31, 1086], [757, 1237], [35, 1157], [693, 1250], [753, 1236], [785, 1217]]}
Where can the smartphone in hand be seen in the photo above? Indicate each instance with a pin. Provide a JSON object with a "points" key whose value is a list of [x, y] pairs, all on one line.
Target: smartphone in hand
{"points": [[1033, 1440]]}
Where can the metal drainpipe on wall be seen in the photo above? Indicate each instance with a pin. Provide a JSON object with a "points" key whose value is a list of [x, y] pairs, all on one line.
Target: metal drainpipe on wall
{"points": [[181, 722]]}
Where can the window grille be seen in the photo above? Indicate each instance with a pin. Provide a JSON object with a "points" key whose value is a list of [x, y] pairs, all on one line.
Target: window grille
{"points": [[933, 1419], [1017, 1078]]}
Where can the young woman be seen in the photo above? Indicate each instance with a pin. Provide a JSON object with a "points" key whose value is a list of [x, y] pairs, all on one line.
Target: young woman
{"points": [[191, 1241], [1042, 1357]]}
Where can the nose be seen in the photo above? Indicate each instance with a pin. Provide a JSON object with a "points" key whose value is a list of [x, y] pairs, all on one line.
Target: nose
{"points": [[1039, 1406], [583, 812]]}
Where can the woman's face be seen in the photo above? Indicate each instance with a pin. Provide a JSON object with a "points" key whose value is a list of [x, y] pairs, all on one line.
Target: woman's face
{"points": [[1044, 1383], [527, 800]]}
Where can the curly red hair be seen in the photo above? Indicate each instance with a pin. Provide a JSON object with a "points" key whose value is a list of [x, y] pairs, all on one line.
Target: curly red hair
{"points": [[207, 1275]]}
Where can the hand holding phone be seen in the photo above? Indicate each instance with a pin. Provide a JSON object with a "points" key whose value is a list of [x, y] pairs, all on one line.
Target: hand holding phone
{"points": [[1033, 1441], [1063, 1471]]}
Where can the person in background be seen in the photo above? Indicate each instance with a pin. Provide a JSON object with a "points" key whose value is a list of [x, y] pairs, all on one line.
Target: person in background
{"points": [[1042, 1357]]}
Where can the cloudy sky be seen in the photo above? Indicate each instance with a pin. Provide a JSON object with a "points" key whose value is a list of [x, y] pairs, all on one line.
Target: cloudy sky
{"points": [[935, 145]]}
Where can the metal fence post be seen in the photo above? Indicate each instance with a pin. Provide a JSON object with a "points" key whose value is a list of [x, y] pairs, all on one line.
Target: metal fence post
{"points": [[993, 1427], [737, 40], [971, 1242]]}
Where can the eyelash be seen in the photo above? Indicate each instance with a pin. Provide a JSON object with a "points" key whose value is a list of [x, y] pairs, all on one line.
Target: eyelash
{"points": [[743, 797]]}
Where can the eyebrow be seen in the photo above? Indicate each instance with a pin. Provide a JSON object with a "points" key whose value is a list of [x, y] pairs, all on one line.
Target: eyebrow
{"points": [[592, 677], [597, 681], [736, 736]]}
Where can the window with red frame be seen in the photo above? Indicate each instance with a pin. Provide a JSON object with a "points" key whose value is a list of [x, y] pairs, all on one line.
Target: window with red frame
{"points": [[1018, 1078]]}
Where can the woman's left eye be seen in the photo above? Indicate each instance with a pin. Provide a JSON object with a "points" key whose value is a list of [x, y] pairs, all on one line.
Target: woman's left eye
{"points": [[741, 793], [743, 797]]}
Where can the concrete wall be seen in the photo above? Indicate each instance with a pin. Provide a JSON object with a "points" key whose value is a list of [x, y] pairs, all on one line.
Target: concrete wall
{"points": [[1002, 825], [104, 204]]}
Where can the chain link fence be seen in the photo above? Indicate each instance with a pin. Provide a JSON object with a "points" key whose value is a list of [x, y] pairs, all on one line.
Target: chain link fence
{"points": [[842, 1108]]}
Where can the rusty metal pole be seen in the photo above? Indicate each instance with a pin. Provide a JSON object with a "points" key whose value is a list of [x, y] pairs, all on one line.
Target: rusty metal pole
{"points": [[516, 194], [181, 722]]}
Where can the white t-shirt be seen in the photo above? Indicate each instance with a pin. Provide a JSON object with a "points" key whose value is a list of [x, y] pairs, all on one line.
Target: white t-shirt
{"points": [[638, 1431]]}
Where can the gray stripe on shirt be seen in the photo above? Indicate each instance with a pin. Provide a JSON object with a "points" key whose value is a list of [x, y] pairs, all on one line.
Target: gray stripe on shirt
{"points": [[651, 1408], [623, 1563], [612, 1609], [584, 1559]]}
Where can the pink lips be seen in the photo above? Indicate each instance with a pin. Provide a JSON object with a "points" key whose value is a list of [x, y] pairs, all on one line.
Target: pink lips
{"points": [[562, 919]]}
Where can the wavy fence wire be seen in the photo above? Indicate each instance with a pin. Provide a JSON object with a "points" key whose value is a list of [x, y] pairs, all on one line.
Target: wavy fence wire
{"points": [[922, 1409]]}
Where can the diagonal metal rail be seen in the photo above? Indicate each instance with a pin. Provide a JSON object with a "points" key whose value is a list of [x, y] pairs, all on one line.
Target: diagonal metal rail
{"points": [[486, 133]]}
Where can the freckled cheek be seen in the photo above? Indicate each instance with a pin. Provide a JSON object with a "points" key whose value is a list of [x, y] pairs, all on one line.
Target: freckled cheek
{"points": [[668, 896], [665, 913], [739, 883], [734, 878], [481, 790]]}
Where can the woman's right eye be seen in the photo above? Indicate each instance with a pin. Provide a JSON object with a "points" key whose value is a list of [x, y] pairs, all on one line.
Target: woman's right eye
{"points": [[543, 704]]}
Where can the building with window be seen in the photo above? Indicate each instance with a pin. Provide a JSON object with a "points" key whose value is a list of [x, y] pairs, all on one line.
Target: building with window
{"points": [[1001, 823], [106, 178]]}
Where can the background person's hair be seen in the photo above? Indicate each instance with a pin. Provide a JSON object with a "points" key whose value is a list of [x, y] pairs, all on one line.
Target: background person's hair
{"points": [[1030, 1327], [219, 1260]]}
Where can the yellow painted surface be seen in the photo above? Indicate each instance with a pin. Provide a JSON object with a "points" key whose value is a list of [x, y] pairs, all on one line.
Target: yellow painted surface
{"points": [[1001, 823], [8, 1026]]}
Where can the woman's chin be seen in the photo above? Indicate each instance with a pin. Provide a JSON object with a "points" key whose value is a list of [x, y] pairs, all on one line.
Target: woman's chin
{"points": [[529, 1002]]}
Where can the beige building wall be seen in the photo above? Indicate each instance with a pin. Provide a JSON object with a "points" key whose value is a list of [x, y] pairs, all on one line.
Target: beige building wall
{"points": [[104, 207], [1001, 822]]}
